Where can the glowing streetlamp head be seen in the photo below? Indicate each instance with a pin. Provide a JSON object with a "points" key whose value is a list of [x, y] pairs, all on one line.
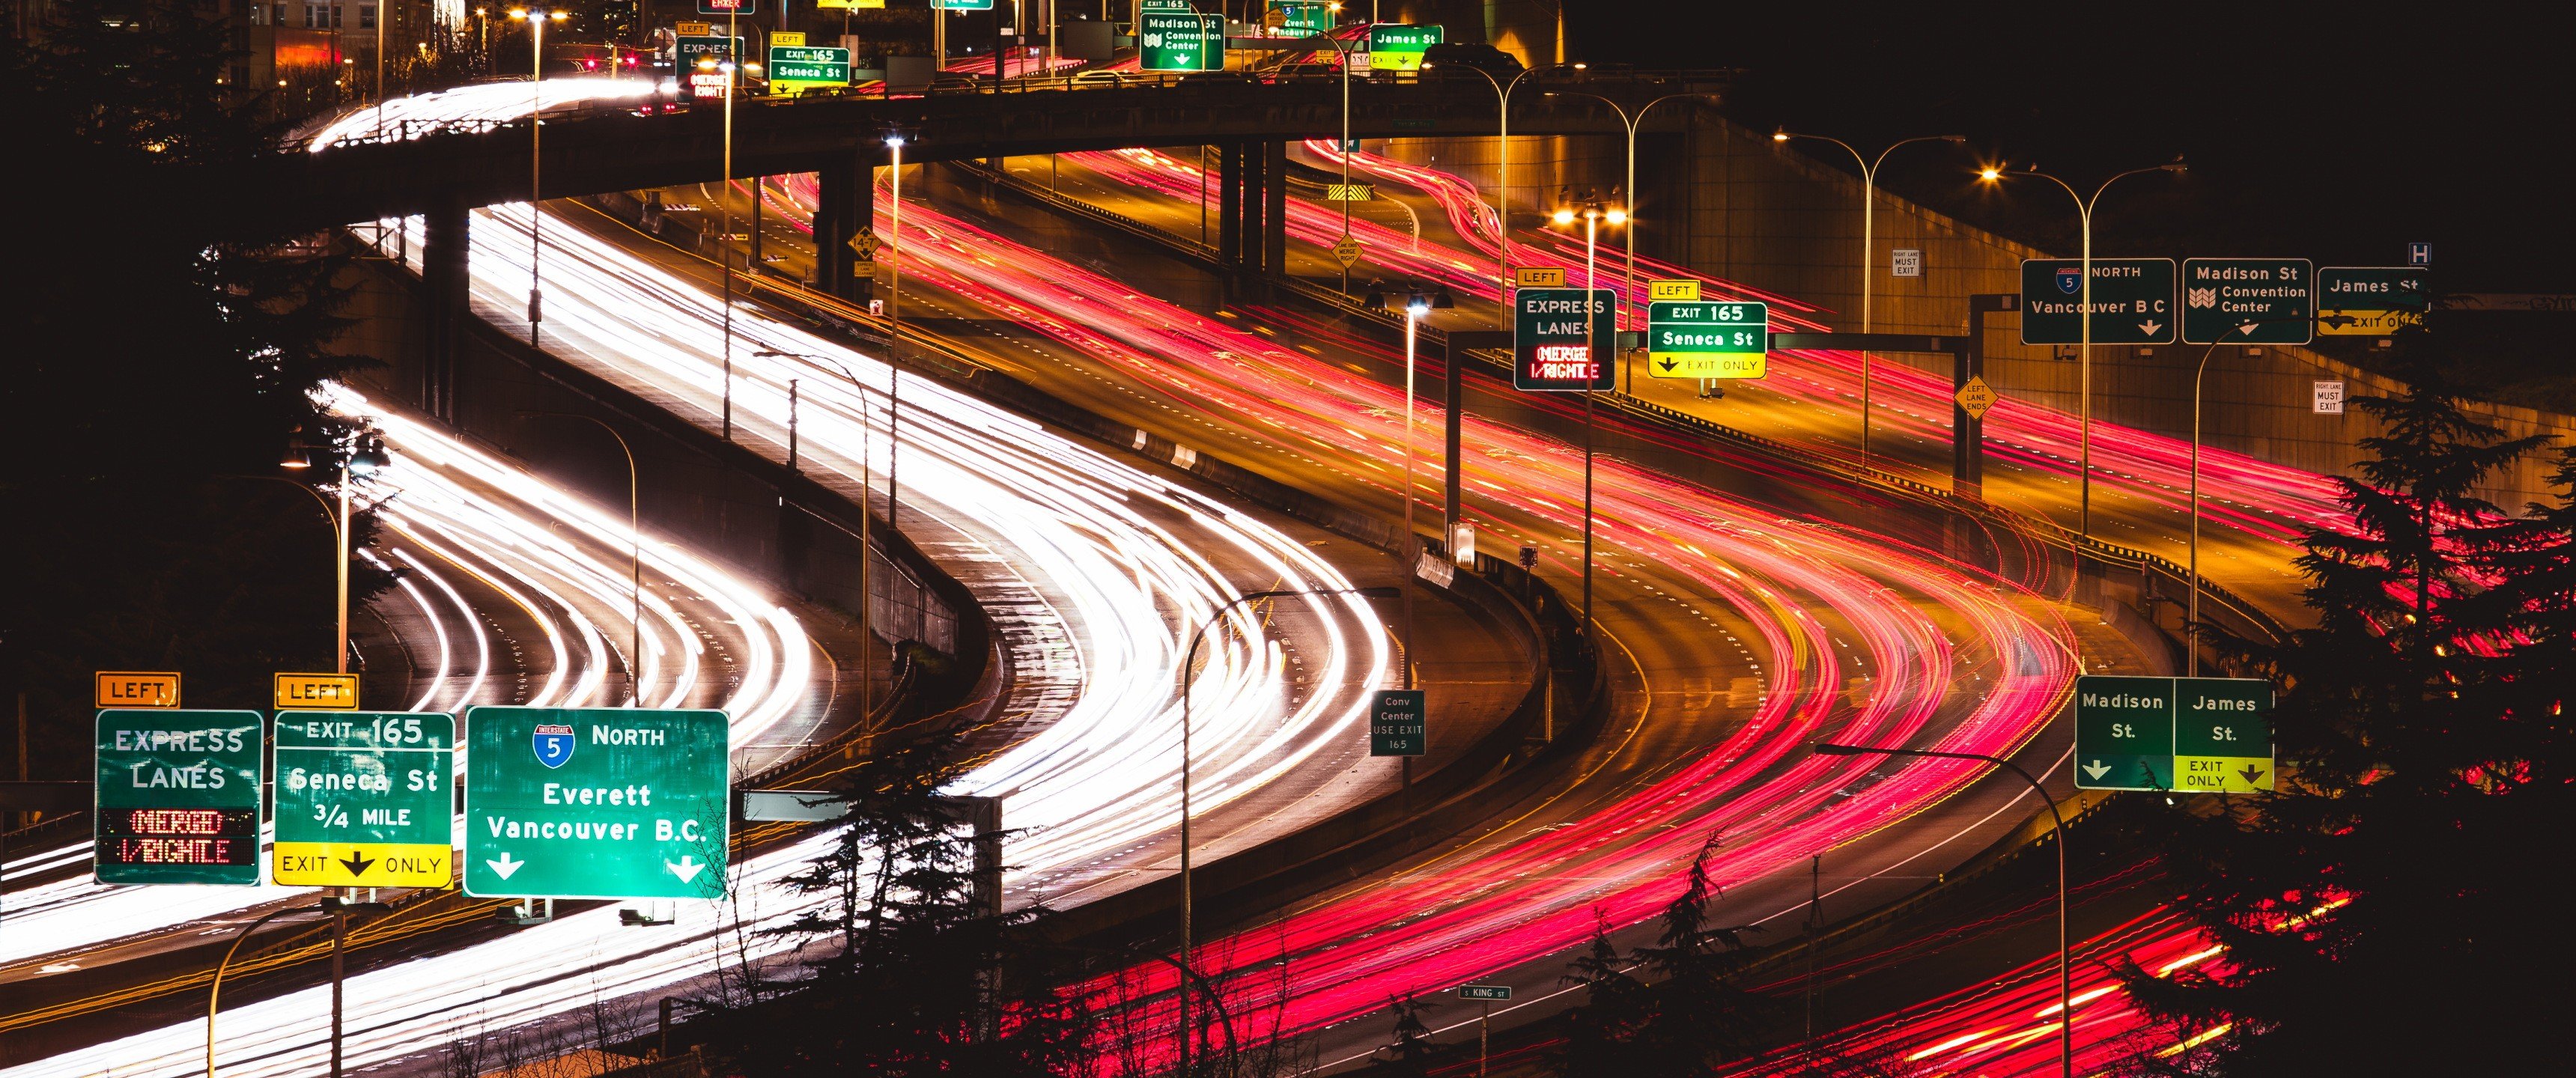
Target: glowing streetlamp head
{"points": [[559, 16], [1563, 217], [894, 141], [1990, 173], [1780, 135], [519, 13], [1616, 216]]}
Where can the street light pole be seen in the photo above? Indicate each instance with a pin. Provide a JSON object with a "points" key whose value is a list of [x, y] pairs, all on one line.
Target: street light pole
{"points": [[2191, 619], [1632, 123], [2065, 971], [1189, 669], [732, 68], [536, 18], [2084, 305], [1503, 163], [1868, 244], [635, 557], [894, 315], [1593, 214], [866, 597]]}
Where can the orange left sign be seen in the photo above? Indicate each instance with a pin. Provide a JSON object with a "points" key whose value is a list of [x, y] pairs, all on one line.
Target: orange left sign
{"points": [[137, 688], [299, 692]]}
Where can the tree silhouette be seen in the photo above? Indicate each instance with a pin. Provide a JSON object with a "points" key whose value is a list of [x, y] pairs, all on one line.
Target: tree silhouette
{"points": [[2387, 908]]}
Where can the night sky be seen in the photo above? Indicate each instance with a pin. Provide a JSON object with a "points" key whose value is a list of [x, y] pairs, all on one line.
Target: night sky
{"points": [[2335, 132]]}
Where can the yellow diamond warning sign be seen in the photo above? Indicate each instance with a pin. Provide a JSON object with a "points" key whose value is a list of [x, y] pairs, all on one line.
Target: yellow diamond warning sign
{"points": [[1347, 251], [1976, 397], [865, 243]]}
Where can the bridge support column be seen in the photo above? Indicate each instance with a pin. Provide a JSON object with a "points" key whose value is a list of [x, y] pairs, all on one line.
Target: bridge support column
{"points": [[847, 202], [1229, 205], [1274, 209], [443, 294]]}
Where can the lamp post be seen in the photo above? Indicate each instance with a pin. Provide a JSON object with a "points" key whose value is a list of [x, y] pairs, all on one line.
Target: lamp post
{"points": [[365, 457], [635, 557], [2084, 303], [536, 18], [1502, 162], [732, 68], [339, 911], [1189, 667], [1632, 123], [2191, 619], [2065, 974], [894, 316], [866, 704], [1593, 214], [1868, 242]]}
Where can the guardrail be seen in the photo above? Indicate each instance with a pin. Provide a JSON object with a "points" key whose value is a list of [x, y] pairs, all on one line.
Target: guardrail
{"points": [[2249, 620]]}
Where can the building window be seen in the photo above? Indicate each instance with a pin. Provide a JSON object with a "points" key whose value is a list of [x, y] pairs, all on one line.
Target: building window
{"points": [[259, 14], [313, 17], [366, 17]]}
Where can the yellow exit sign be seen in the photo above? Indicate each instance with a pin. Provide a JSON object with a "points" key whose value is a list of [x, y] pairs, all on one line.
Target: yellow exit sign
{"points": [[317, 692], [137, 688], [1677, 291], [1538, 276]]}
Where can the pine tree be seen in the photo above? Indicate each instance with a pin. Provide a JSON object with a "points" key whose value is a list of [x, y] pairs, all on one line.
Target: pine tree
{"points": [[1692, 1016], [2388, 909], [907, 973], [1411, 1052]]}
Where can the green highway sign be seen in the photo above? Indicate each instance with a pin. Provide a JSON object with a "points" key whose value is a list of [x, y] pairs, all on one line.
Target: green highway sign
{"points": [[2124, 733], [1164, 5], [964, 5], [1298, 18], [1396, 723], [1181, 41], [2222, 735], [2368, 301], [1490, 992], [2248, 300], [596, 803], [1707, 339], [795, 67], [1549, 352], [2192, 735], [365, 799], [689, 51], [1397, 47], [178, 796], [2133, 301]]}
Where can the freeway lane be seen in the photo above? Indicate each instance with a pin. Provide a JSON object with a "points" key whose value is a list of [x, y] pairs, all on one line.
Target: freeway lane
{"points": [[1111, 564], [1811, 398], [1706, 578], [517, 593]]}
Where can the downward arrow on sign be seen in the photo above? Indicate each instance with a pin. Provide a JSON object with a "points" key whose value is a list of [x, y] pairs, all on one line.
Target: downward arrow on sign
{"points": [[2251, 774], [506, 865], [1669, 364], [686, 870], [2150, 326], [357, 864], [2096, 770]]}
